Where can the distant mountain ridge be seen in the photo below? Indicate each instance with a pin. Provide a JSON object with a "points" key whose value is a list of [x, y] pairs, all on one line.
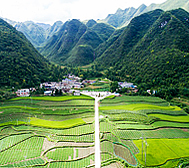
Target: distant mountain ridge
{"points": [[36, 33], [123, 17], [39, 33]]}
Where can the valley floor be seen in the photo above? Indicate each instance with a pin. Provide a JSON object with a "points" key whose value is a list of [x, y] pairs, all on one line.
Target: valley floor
{"points": [[88, 131]]}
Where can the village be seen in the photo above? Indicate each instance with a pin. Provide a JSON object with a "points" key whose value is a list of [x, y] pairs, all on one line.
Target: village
{"points": [[72, 85]]}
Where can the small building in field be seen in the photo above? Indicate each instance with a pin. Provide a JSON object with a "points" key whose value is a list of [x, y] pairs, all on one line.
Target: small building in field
{"points": [[23, 93], [48, 93], [77, 93]]}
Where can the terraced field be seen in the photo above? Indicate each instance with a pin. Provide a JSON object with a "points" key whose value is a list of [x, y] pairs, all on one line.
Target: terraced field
{"points": [[144, 131], [58, 132], [47, 132]]}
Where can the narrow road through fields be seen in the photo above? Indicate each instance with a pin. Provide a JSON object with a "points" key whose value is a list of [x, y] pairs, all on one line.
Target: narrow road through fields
{"points": [[98, 96], [97, 136]]}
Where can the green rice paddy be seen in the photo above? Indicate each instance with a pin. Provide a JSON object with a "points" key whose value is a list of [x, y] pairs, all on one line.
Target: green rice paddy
{"points": [[56, 124], [161, 150], [34, 131], [138, 107], [129, 119], [59, 132]]}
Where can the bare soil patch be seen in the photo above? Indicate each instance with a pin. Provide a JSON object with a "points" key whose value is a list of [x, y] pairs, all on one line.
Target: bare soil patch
{"points": [[124, 153], [92, 162], [185, 130], [73, 144], [82, 152], [114, 165], [47, 144]]}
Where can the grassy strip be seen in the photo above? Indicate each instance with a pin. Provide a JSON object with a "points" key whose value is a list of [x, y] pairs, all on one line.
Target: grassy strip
{"points": [[18, 107], [161, 124], [161, 150], [110, 97], [56, 124], [13, 123], [50, 98], [137, 107], [171, 118]]}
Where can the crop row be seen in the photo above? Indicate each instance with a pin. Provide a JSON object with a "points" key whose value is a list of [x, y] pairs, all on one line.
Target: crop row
{"points": [[61, 154], [81, 138], [159, 133], [135, 99], [61, 98], [77, 163], [79, 130], [30, 148], [161, 150], [138, 107], [32, 162], [12, 140]]}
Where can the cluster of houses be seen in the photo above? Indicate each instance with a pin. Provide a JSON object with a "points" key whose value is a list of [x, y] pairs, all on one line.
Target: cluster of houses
{"points": [[70, 84], [130, 86]]}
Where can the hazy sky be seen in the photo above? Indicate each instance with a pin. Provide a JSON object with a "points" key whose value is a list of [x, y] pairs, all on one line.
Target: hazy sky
{"points": [[49, 11]]}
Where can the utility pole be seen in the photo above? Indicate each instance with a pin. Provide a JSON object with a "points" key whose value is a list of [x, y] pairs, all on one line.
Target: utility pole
{"points": [[142, 148], [142, 144], [146, 144]]}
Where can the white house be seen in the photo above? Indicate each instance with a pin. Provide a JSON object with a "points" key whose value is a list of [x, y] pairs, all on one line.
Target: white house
{"points": [[77, 93], [48, 93], [23, 93]]}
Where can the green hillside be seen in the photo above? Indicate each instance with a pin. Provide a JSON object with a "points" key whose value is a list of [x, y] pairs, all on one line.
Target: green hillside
{"points": [[75, 43], [153, 49], [20, 63], [36, 33]]}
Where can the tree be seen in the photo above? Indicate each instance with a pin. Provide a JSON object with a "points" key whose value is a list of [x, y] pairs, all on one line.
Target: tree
{"points": [[114, 86]]}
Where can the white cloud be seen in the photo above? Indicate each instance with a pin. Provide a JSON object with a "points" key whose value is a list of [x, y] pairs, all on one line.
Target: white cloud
{"points": [[49, 11]]}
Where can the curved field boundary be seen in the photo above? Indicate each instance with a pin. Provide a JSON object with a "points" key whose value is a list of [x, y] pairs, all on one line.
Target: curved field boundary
{"points": [[73, 160], [22, 141], [18, 107], [110, 161], [118, 143], [165, 133], [60, 147], [47, 123], [138, 107], [159, 151], [56, 99], [29, 162], [56, 124], [29, 136], [167, 117], [75, 138], [58, 131]]}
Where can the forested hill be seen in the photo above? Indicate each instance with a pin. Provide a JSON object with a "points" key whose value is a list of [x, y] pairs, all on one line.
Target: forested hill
{"points": [[20, 63], [75, 42], [153, 49]]}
